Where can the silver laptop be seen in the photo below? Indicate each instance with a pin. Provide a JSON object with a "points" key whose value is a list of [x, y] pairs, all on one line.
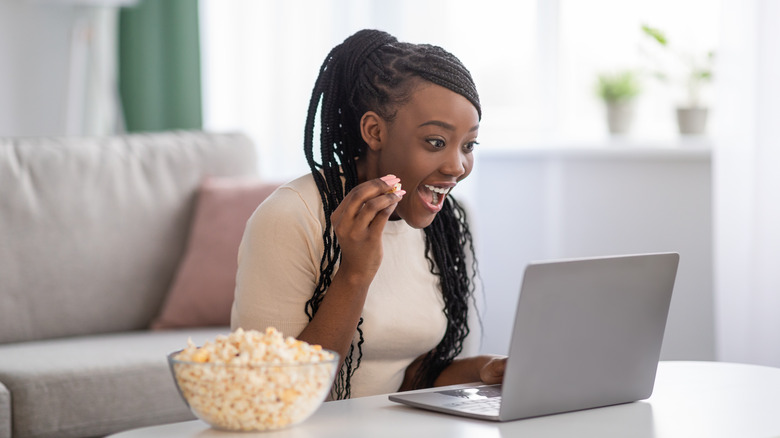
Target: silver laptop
{"points": [[587, 334]]}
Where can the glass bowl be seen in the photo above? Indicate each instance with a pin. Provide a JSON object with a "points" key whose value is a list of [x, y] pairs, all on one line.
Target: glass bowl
{"points": [[253, 397]]}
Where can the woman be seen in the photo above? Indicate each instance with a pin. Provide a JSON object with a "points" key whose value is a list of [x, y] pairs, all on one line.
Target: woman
{"points": [[343, 257]]}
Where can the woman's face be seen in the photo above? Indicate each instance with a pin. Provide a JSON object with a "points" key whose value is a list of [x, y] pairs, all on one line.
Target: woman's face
{"points": [[428, 145]]}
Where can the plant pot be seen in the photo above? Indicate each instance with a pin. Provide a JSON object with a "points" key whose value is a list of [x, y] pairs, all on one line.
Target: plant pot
{"points": [[620, 115], [692, 121]]}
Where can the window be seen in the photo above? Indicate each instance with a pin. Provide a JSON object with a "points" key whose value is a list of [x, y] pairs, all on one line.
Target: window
{"points": [[603, 35], [535, 62]]}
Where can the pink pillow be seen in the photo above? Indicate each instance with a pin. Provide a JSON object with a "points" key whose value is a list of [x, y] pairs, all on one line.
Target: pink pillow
{"points": [[202, 290]]}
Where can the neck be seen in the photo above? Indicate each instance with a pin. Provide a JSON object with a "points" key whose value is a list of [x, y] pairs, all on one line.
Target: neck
{"points": [[366, 170]]}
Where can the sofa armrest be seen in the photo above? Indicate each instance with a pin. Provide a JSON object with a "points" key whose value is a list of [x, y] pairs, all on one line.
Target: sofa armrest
{"points": [[5, 412]]}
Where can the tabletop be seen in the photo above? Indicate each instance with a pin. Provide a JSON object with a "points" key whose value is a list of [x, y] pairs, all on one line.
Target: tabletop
{"points": [[690, 399]]}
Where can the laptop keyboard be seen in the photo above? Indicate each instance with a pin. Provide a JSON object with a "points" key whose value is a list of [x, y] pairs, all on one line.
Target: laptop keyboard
{"points": [[482, 405]]}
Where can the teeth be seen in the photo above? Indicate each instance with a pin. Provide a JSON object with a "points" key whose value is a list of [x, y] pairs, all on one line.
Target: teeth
{"points": [[441, 191], [436, 191]]}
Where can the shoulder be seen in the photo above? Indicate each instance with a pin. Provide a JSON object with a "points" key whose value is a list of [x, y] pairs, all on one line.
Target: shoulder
{"points": [[299, 197], [292, 211]]}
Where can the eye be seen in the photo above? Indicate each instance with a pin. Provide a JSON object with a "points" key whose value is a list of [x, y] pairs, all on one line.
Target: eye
{"points": [[468, 147], [436, 142]]}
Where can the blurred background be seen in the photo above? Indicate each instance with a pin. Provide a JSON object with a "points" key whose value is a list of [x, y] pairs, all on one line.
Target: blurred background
{"points": [[609, 126]]}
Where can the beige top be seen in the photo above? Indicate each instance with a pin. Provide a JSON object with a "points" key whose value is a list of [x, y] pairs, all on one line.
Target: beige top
{"points": [[278, 267]]}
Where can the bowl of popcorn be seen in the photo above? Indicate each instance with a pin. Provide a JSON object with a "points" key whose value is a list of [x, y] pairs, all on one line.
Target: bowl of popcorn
{"points": [[253, 381]]}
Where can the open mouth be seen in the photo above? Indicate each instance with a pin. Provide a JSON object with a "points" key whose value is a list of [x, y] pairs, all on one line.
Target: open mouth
{"points": [[434, 195]]}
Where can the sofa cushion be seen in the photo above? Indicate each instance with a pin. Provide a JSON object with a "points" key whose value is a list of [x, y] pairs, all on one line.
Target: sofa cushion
{"points": [[202, 291], [92, 229], [95, 385]]}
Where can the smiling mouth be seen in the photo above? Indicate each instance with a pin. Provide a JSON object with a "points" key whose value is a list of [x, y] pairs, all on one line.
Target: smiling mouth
{"points": [[437, 194]]}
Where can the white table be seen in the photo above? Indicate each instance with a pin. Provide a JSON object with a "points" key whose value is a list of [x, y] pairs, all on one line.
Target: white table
{"points": [[691, 399]]}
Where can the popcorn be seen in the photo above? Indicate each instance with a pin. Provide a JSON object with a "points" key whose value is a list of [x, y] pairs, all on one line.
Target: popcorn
{"points": [[249, 380], [396, 187]]}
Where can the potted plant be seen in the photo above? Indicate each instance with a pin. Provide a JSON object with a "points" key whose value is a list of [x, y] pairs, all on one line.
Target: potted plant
{"points": [[696, 73], [619, 90]]}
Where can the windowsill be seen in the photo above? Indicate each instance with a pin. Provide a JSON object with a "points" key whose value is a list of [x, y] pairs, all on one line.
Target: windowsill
{"points": [[609, 146]]}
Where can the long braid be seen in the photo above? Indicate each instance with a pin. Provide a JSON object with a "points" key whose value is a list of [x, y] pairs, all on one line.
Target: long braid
{"points": [[371, 70], [447, 238]]}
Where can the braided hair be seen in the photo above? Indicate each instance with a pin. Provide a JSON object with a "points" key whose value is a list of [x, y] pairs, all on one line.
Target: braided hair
{"points": [[373, 71]]}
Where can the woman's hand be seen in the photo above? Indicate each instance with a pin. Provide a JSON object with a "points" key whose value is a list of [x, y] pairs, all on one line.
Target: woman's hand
{"points": [[493, 371], [488, 369], [358, 223]]}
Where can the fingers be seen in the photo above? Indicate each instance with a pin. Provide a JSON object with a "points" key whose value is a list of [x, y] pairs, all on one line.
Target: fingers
{"points": [[373, 199], [493, 371], [395, 185]]}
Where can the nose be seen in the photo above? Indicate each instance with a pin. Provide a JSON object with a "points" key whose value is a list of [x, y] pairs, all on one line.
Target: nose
{"points": [[456, 163]]}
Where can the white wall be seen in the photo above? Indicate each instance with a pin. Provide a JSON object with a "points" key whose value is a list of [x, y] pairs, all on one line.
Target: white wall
{"points": [[550, 203], [34, 51]]}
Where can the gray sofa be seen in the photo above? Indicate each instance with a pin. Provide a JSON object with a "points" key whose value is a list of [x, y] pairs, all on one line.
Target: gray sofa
{"points": [[91, 233]]}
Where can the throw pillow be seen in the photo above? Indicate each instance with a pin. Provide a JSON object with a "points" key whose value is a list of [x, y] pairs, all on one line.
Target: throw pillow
{"points": [[202, 290]]}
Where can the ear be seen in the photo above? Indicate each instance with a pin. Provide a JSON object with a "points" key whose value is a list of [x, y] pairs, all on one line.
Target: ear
{"points": [[373, 130]]}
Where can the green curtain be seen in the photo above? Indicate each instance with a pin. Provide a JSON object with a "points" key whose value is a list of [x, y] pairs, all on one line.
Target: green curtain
{"points": [[159, 65]]}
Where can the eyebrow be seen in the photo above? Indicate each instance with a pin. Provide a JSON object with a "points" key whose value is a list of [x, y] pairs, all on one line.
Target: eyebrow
{"points": [[445, 125]]}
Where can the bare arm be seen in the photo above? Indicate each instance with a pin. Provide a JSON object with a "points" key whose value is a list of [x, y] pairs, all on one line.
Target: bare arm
{"points": [[358, 223], [488, 369], [334, 324]]}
